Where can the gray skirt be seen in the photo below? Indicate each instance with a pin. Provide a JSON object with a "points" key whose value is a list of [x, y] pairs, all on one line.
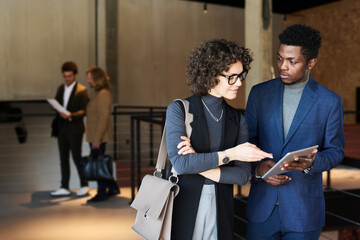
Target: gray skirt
{"points": [[206, 220]]}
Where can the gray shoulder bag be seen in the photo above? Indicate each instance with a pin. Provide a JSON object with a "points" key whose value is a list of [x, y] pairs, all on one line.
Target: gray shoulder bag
{"points": [[154, 200]]}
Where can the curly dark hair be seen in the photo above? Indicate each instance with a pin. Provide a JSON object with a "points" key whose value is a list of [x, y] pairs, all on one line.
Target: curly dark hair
{"points": [[212, 58], [307, 38], [69, 66]]}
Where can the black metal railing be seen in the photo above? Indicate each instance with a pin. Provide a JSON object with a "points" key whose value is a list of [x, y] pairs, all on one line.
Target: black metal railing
{"points": [[150, 111], [342, 209], [151, 118]]}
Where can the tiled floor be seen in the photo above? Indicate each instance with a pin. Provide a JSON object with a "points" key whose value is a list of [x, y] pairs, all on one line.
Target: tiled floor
{"points": [[37, 216], [29, 171]]}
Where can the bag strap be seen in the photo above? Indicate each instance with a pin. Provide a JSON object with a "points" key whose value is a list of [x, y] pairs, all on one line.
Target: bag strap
{"points": [[161, 160]]}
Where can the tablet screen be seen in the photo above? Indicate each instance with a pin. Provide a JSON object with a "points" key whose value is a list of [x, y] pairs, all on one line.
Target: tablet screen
{"points": [[276, 169]]}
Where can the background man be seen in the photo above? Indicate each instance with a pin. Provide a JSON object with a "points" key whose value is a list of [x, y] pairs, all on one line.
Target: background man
{"points": [[286, 114], [70, 128]]}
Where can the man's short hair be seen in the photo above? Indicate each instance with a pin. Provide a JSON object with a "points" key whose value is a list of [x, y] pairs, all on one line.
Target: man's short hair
{"points": [[69, 66], [210, 59], [307, 38]]}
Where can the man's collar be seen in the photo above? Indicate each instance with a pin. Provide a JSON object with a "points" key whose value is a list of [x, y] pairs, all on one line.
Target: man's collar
{"points": [[71, 85]]}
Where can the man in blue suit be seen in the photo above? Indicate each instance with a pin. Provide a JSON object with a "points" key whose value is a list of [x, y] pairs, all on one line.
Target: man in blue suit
{"points": [[283, 115]]}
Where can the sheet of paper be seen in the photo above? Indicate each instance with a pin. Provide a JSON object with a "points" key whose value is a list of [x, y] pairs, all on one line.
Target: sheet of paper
{"points": [[56, 105]]}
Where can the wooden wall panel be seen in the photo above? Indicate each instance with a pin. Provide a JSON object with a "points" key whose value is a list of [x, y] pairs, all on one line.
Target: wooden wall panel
{"points": [[337, 67]]}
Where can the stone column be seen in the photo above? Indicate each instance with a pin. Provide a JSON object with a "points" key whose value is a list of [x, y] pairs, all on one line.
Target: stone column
{"points": [[258, 37], [101, 34], [111, 20]]}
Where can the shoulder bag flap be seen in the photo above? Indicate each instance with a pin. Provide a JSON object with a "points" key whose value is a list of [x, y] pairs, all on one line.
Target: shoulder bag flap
{"points": [[153, 195]]}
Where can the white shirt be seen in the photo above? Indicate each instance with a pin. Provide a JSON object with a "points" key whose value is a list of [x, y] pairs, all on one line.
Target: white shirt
{"points": [[67, 93]]}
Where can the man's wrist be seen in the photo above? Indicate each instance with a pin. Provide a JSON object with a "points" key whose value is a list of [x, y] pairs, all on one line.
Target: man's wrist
{"points": [[256, 174], [307, 170]]}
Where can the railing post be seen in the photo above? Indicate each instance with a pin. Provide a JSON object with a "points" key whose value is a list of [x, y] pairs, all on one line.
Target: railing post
{"points": [[328, 180], [115, 133], [132, 159], [151, 139], [138, 152], [239, 190]]}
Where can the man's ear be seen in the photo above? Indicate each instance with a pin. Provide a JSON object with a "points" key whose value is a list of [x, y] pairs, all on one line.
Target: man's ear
{"points": [[312, 63]]}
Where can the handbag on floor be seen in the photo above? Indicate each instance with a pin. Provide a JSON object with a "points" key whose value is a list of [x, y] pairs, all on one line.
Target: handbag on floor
{"points": [[54, 127], [154, 200], [97, 167]]}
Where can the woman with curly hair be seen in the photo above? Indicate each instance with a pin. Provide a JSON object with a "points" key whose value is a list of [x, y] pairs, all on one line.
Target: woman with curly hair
{"points": [[217, 154]]}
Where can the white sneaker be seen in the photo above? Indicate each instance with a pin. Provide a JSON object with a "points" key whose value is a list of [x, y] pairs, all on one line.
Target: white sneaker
{"points": [[61, 192], [82, 192]]}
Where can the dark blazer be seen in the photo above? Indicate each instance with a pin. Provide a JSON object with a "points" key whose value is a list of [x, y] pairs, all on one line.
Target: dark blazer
{"points": [[76, 106], [187, 201], [318, 121]]}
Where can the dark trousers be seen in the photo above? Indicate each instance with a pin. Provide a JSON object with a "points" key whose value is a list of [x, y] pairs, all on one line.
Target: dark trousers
{"points": [[70, 142], [103, 185], [274, 229]]}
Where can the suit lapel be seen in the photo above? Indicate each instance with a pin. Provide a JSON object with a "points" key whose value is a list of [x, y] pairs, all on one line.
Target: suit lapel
{"points": [[200, 134], [277, 108], [60, 95], [230, 128], [199, 125], [71, 96], [226, 123], [307, 101]]}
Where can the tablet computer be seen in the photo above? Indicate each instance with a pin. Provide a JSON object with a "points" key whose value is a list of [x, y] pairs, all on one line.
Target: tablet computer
{"points": [[276, 169]]}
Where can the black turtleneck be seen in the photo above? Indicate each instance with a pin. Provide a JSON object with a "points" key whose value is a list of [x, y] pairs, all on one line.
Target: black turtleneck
{"points": [[216, 107]]}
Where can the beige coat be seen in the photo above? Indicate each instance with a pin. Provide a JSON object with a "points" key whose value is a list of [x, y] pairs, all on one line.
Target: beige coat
{"points": [[98, 119]]}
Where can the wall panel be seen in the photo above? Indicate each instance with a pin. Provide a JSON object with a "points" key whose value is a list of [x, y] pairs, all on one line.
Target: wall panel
{"points": [[155, 39], [337, 67], [36, 37]]}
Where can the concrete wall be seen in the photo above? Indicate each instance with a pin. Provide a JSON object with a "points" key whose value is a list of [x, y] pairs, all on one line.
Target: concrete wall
{"points": [[155, 39], [143, 45], [36, 37], [337, 67]]}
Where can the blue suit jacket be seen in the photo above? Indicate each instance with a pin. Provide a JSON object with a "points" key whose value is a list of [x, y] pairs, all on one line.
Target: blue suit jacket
{"points": [[318, 121]]}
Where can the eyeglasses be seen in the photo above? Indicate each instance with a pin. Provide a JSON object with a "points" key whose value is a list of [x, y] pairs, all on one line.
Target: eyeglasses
{"points": [[233, 78]]}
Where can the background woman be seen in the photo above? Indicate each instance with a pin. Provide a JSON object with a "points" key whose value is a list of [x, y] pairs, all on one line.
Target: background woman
{"points": [[98, 125], [217, 154]]}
